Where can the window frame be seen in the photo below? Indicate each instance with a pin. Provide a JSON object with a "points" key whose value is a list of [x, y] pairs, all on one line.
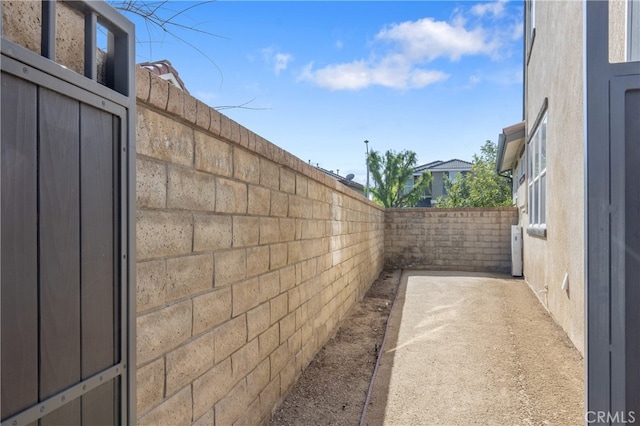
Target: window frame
{"points": [[530, 27], [537, 176], [519, 174]]}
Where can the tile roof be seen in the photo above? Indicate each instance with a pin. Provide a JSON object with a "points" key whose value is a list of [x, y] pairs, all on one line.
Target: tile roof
{"points": [[427, 166], [452, 164], [165, 70], [434, 166]]}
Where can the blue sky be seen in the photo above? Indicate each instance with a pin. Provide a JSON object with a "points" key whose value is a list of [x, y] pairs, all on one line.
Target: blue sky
{"points": [[318, 78]]}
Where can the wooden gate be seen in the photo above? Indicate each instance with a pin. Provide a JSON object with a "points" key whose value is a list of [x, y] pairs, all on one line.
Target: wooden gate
{"points": [[68, 170]]}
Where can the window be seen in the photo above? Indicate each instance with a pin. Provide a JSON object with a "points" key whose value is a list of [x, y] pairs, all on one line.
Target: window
{"points": [[408, 186], [537, 166], [530, 25], [517, 178], [532, 18]]}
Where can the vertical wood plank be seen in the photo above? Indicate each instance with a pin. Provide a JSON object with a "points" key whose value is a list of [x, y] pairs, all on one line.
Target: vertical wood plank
{"points": [[99, 405], [19, 301], [59, 245], [97, 239], [119, 186], [97, 259], [67, 415], [632, 247]]}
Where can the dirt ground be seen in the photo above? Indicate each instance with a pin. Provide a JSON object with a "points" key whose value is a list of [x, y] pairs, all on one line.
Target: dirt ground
{"points": [[460, 349], [333, 388]]}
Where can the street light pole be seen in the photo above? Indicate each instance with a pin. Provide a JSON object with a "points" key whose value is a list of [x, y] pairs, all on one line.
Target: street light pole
{"points": [[366, 192]]}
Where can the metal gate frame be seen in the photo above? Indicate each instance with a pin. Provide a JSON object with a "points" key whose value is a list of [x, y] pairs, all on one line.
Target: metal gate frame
{"points": [[116, 96], [612, 317]]}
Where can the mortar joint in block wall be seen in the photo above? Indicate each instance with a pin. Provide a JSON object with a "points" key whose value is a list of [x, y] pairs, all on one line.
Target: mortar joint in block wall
{"points": [[160, 95]]}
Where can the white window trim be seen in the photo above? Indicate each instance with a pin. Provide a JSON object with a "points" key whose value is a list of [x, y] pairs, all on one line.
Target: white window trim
{"points": [[518, 172], [530, 24], [533, 16], [537, 225]]}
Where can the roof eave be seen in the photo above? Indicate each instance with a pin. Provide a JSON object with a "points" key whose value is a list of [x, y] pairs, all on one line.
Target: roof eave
{"points": [[510, 143]]}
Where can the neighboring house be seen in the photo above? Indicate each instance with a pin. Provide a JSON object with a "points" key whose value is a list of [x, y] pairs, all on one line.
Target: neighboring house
{"points": [[347, 181], [574, 160], [440, 171], [165, 70]]}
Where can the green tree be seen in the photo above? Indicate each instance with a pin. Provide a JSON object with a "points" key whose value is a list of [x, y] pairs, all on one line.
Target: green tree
{"points": [[392, 175], [482, 186]]}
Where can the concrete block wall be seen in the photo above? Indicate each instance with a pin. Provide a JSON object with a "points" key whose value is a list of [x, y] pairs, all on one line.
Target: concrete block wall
{"points": [[450, 239], [247, 260], [247, 257], [21, 21]]}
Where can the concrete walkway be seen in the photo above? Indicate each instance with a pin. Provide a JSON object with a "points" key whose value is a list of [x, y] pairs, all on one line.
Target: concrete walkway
{"points": [[474, 349]]}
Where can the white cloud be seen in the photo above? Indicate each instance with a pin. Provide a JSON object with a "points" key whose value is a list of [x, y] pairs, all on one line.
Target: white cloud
{"points": [[278, 60], [495, 8], [361, 74], [281, 62], [428, 39], [517, 30], [351, 76], [411, 45], [422, 78]]}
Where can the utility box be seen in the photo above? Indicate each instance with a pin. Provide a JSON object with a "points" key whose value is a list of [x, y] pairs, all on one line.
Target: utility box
{"points": [[516, 251]]}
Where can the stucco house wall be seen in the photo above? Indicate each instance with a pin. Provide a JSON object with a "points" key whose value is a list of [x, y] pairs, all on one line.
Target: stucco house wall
{"points": [[554, 263], [555, 73]]}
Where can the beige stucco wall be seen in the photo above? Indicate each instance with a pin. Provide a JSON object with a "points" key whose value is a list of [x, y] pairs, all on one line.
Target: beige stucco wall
{"points": [[617, 31], [449, 239], [555, 71], [247, 260]]}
